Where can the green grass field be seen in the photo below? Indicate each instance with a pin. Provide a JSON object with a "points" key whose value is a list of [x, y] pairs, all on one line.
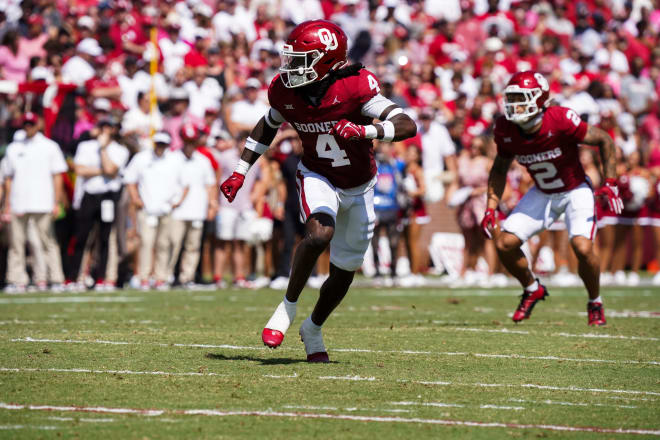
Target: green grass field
{"points": [[417, 363]]}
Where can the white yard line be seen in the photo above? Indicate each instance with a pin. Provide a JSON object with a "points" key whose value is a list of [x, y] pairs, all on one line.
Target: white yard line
{"points": [[72, 299], [535, 386], [564, 335], [352, 350], [16, 427], [350, 417], [348, 378], [127, 372], [352, 378], [71, 419], [435, 404], [553, 402], [628, 314]]}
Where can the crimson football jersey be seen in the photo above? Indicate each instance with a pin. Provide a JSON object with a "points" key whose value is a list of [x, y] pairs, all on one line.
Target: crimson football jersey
{"points": [[551, 154], [346, 164]]}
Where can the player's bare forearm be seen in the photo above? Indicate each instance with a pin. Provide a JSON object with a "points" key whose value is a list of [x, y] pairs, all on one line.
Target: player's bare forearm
{"points": [[261, 133], [598, 137], [497, 181], [404, 126]]}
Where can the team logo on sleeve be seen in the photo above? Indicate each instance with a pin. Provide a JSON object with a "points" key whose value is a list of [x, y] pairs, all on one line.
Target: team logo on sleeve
{"points": [[328, 38]]}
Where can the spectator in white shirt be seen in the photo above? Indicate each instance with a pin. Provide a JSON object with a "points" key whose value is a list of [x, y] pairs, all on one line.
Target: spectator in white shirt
{"points": [[98, 164], [139, 121], [33, 170], [245, 114], [203, 92], [80, 68], [200, 203], [173, 48], [438, 155], [152, 179]]}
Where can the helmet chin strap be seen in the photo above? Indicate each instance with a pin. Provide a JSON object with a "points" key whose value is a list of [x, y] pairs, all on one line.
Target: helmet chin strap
{"points": [[531, 122]]}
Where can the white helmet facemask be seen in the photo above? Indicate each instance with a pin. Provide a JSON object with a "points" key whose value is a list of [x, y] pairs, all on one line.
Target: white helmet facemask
{"points": [[298, 67], [528, 103]]}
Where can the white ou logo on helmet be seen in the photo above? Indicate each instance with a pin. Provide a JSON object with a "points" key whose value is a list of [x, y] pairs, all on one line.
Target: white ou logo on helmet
{"points": [[328, 38], [542, 81]]}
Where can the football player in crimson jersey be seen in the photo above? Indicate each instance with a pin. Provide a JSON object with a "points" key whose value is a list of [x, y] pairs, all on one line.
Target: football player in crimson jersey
{"points": [[545, 140], [331, 106]]}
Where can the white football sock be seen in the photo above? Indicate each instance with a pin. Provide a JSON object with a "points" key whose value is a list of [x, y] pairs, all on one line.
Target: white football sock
{"points": [[284, 315], [532, 287], [597, 300], [312, 337]]}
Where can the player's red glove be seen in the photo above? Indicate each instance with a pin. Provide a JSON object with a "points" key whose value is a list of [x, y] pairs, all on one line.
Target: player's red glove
{"points": [[231, 186], [488, 222], [348, 130], [611, 190]]}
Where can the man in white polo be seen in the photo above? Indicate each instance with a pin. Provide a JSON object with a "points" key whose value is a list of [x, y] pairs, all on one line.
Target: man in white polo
{"points": [[201, 203], [99, 163], [152, 179], [33, 170]]}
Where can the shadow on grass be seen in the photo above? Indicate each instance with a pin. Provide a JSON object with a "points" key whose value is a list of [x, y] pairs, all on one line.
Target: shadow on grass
{"points": [[262, 361]]}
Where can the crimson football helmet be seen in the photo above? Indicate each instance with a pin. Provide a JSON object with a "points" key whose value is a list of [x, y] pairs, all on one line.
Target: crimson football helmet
{"points": [[313, 49], [189, 132], [525, 96]]}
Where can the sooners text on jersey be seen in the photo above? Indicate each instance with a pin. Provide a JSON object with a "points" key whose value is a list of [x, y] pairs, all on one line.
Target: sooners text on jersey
{"points": [[551, 154], [346, 164]]}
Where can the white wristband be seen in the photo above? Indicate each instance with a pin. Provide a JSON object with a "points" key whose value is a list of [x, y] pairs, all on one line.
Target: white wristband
{"points": [[388, 130], [370, 132], [255, 146], [242, 167]]}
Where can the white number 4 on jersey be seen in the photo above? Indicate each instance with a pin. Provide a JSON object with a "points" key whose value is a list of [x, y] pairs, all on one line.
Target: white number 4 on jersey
{"points": [[327, 148]]}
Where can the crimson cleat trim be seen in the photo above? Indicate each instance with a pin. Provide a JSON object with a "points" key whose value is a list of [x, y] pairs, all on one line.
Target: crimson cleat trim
{"points": [[272, 338], [595, 314], [527, 303]]}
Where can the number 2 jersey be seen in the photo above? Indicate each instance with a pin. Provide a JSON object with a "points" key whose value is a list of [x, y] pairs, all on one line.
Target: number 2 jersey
{"points": [[550, 155], [346, 164]]}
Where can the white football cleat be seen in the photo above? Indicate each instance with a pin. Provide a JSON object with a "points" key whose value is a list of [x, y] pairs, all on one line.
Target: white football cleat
{"points": [[311, 335]]}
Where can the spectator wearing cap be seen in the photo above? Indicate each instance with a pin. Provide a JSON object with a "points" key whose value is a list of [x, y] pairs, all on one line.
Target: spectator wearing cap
{"points": [[245, 113], [98, 164], [203, 92], [80, 68], [139, 122], [86, 27], [151, 179], [197, 55], [33, 183], [200, 204]]}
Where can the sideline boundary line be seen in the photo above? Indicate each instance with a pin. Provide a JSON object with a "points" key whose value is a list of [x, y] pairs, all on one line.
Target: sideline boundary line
{"points": [[349, 417], [347, 350]]}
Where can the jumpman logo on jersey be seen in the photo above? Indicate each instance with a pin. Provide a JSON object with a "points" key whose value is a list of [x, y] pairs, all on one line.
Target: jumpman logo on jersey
{"points": [[550, 133], [336, 101]]}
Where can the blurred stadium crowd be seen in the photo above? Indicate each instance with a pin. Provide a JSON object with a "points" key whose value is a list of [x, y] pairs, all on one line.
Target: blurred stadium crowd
{"points": [[136, 187]]}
